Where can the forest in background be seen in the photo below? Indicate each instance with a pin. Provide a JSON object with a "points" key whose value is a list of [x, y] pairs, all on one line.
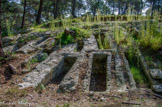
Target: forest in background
{"points": [[25, 13], [77, 36]]}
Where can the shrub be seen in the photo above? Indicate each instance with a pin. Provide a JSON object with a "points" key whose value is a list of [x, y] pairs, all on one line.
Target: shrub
{"points": [[151, 36], [74, 35]]}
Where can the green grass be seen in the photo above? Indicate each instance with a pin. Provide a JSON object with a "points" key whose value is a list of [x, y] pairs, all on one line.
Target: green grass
{"points": [[138, 75], [137, 72], [40, 29], [16, 92], [40, 88]]}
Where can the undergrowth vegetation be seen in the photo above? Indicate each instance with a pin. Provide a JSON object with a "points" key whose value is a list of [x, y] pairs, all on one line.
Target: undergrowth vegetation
{"points": [[72, 35], [135, 66], [103, 43]]}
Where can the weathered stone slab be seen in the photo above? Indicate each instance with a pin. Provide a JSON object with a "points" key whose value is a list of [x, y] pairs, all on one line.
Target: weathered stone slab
{"points": [[70, 81], [155, 84], [43, 72], [7, 41], [119, 73], [157, 88], [90, 44], [131, 80], [156, 73], [11, 48], [30, 47]]}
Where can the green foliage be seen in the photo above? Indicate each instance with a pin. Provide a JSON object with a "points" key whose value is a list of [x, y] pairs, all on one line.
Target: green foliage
{"points": [[132, 55], [135, 66], [66, 39], [9, 26], [40, 88], [16, 92], [105, 44], [65, 105], [76, 34], [52, 26], [138, 76], [119, 34], [100, 42], [150, 35]]}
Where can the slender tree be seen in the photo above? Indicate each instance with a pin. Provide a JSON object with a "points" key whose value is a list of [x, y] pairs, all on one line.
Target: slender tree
{"points": [[23, 19], [38, 19], [73, 8], [119, 4], [56, 8], [113, 7], [1, 50]]}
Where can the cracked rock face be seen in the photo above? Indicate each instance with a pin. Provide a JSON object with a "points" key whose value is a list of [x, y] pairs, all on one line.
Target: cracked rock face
{"points": [[157, 88], [156, 73]]}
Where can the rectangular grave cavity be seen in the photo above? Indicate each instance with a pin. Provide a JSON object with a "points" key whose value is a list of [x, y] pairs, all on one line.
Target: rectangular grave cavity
{"points": [[63, 68], [98, 73]]}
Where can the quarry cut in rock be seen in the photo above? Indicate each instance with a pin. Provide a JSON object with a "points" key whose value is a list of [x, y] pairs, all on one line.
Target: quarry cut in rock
{"points": [[63, 66], [42, 74], [98, 73], [69, 74], [91, 80]]}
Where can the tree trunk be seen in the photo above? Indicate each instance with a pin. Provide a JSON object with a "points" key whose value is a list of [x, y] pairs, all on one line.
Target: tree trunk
{"points": [[23, 19], [141, 7], [94, 11], [124, 11], [56, 8], [153, 6], [73, 8], [1, 50], [158, 5], [119, 7], [38, 19], [113, 7]]}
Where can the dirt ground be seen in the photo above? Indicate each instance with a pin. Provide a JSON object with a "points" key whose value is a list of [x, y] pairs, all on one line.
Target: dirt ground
{"points": [[11, 96]]}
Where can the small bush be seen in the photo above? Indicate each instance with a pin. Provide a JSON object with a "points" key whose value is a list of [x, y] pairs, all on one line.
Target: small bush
{"points": [[66, 39], [74, 35]]}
